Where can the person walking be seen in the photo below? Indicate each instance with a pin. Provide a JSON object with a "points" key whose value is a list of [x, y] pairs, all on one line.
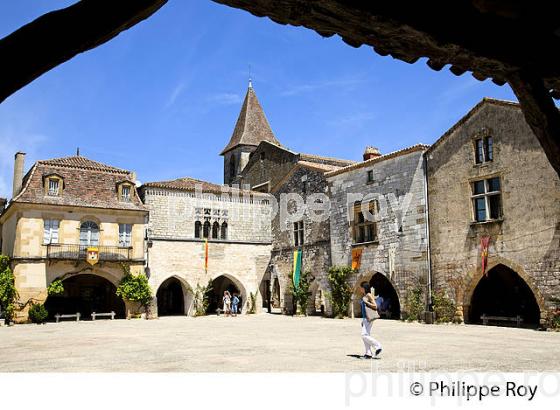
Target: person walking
{"points": [[369, 314], [227, 303], [234, 304]]}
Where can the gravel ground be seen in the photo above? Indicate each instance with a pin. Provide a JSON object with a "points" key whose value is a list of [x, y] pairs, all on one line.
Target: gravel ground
{"points": [[270, 343]]}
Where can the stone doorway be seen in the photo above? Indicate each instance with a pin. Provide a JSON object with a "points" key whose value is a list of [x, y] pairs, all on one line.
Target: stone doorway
{"points": [[170, 298], [386, 297], [86, 293], [503, 293], [219, 286]]}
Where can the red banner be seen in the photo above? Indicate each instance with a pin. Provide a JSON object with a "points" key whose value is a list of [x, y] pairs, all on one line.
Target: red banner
{"points": [[484, 242], [206, 255]]}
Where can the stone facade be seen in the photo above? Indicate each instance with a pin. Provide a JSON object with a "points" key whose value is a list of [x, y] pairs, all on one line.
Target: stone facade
{"points": [[305, 182], [399, 253], [36, 263], [525, 237], [175, 252]]}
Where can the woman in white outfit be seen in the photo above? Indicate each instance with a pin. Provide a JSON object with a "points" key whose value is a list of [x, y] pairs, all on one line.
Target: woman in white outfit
{"points": [[372, 346], [227, 303]]}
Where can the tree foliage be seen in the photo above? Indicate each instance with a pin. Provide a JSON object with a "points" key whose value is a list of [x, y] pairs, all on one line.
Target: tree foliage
{"points": [[55, 288], [444, 308], [202, 296], [8, 292], [135, 288], [38, 313], [301, 292], [341, 291], [414, 304]]}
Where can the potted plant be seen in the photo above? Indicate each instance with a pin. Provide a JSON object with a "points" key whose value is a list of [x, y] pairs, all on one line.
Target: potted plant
{"points": [[136, 292]]}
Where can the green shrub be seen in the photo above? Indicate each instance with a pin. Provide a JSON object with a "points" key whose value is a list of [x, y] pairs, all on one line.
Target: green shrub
{"points": [[37, 313], [444, 308], [301, 293], [135, 288], [8, 292], [252, 303], [414, 304], [202, 298], [55, 288], [553, 315], [341, 291]]}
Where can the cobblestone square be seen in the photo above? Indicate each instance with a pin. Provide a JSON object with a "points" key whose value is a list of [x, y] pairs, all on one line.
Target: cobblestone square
{"points": [[270, 343]]}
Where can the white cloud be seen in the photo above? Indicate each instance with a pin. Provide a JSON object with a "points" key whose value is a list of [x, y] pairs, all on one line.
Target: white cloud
{"points": [[225, 98], [175, 93], [310, 87]]}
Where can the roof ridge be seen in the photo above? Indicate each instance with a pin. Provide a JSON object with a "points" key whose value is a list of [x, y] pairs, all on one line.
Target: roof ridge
{"points": [[73, 161], [389, 155]]}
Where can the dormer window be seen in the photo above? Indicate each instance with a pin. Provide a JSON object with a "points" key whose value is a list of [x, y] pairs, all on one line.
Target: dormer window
{"points": [[53, 185], [124, 191]]}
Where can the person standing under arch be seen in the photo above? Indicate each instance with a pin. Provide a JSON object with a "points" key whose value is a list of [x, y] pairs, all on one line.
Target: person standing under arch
{"points": [[372, 347]]}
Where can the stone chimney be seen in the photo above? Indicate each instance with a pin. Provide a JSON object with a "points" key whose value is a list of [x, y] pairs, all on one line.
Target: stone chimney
{"points": [[18, 172], [371, 152]]}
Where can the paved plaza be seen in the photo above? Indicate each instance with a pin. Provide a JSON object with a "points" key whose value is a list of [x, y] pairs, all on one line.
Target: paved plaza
{"points": [[270, 343]]}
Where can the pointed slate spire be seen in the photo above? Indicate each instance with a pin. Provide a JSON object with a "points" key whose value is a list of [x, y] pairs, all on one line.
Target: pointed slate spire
{"points": [[252, 126]]}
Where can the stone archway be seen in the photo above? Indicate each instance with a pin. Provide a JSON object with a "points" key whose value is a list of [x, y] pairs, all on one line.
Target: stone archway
{"points": [[172, 298], [503, 293], [318, 304], [385, 292], [476, 276], [86, 293], [220, 284]]}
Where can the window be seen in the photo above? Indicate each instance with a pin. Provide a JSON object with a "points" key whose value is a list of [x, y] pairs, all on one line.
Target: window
{"points": [[197, 229], [365, 229], [298, 233], [486, 199], [224, 231], [89, 234], [50, 234], [215, 230], [262, 156], [125, 193], [484, 150], [370, 176], [53, 185], [206, 230], [125, 235]]}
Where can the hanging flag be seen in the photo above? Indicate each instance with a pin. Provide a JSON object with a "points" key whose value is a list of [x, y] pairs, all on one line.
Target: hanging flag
{"points": [[356, 258], [206, 255], [297, 267], [484, 241]]}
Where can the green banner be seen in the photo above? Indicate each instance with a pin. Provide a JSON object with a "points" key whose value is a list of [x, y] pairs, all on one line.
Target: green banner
{"points": [[297, 267]]}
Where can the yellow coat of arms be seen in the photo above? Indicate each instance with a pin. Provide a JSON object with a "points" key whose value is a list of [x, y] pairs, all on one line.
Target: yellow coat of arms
{"points": [[92, 255]]}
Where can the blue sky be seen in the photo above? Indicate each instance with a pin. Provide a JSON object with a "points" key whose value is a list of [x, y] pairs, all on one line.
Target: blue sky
{"points": [[162, 98]]}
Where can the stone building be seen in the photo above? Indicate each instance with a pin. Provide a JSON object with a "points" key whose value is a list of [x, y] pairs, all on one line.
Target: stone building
{"points": [[76, 220], [489, 180], [184, 214], [289, 176], [378, 224]]}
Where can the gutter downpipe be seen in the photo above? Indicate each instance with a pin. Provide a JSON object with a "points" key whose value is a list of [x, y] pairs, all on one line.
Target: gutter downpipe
{"points": [[429, 315]]}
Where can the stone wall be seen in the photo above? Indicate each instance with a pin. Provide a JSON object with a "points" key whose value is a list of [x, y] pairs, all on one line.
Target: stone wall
{"points": [[526, 239], [400, 253], [316, 248], [173, 214]]}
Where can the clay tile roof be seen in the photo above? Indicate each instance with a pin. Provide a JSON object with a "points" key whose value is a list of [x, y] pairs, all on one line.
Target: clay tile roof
{"points": [[252, 126], [191, 184], [394, 154], [326, 160], [86, 183], [319, 166], [82, 163]]}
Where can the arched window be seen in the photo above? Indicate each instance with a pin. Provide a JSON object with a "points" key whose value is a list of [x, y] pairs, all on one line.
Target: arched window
{"points": [[215, 230], [206, 230], [224, 231], [89, 234], [197, 229]]}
